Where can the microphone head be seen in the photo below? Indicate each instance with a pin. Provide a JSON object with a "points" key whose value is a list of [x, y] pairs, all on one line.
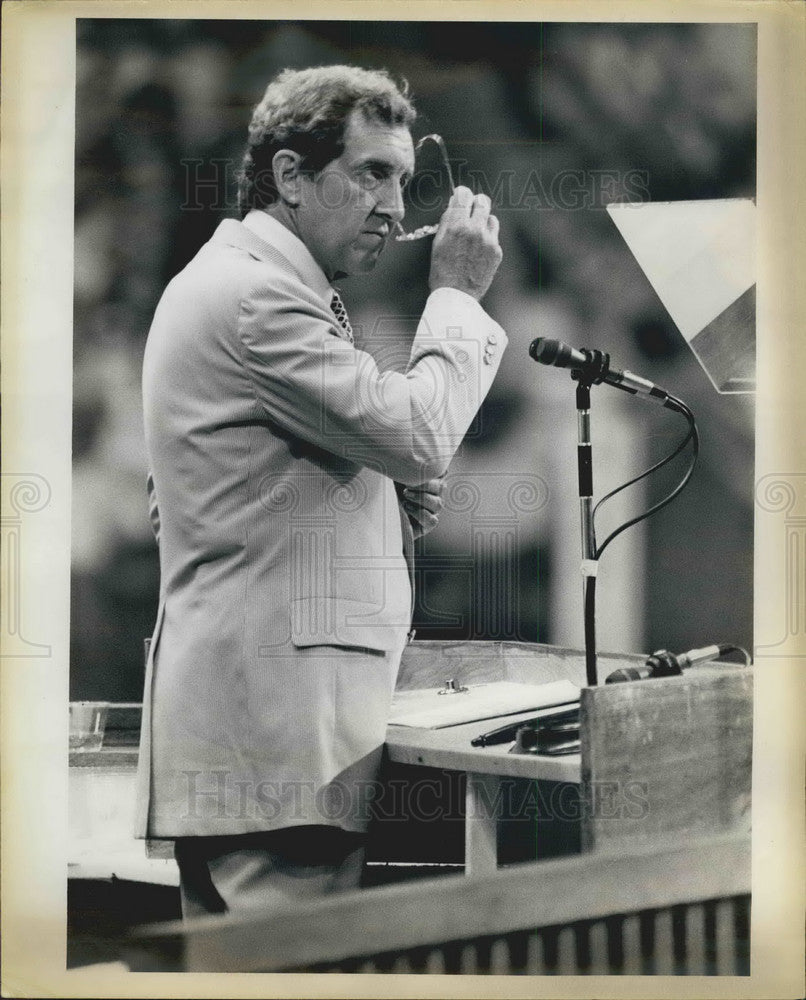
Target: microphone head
{"points": [[625, 674], [555, 352], [662, 663], [544, 351]]}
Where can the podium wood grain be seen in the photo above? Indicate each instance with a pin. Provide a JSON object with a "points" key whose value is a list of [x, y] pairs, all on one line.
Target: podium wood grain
{"points": [[667, 757]]}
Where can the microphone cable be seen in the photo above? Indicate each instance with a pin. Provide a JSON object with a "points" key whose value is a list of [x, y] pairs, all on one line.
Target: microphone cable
{"points": [[691, 436]]}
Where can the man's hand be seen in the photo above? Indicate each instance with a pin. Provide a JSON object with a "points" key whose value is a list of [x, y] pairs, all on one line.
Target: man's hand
{"points": [[466, 253], [423, 504]]}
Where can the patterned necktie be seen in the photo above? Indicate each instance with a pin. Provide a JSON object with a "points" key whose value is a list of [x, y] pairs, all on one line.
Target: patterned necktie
{"points": [[337, 307]]}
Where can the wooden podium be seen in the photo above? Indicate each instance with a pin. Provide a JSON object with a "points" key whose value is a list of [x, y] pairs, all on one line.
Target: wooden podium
{"points": [[667, 757], [659, 758], [662, 788], [661, 886]]}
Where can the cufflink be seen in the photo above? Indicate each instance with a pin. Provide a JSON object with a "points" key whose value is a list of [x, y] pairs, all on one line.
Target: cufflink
{"points": [[492, 339]]}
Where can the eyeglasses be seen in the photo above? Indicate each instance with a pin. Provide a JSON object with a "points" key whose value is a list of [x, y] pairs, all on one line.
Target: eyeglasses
{"points": [[429, 230]]}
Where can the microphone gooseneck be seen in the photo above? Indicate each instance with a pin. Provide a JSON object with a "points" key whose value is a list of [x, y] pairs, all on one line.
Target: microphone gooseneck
{"points": [[662, 663], [594, 368]]}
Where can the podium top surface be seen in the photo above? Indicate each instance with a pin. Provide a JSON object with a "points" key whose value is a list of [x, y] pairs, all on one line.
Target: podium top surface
{"points": [[450, 749]]}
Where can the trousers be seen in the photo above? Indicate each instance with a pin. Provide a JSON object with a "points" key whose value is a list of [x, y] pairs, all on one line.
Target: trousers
{"points": [[265, 871]]}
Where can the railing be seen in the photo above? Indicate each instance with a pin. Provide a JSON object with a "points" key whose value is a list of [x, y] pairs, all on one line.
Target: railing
{"points": [[672, 910], [700, 939]]}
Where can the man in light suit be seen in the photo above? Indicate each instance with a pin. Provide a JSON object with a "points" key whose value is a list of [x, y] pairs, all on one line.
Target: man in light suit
{"points": [[275, 444]]}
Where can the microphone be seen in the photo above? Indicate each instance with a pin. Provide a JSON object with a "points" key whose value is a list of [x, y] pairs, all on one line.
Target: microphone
{"points": [[596, 366], [665, 664]]}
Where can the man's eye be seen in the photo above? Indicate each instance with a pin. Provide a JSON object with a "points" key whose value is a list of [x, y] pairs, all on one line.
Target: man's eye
{"points": [[371, 178]]}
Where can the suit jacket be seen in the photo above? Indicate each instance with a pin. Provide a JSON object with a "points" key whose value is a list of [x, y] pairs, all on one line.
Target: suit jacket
{"points": [[285, 601]]}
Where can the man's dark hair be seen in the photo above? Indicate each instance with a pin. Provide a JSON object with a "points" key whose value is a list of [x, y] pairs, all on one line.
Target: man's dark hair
{"points": [[306, 111]]}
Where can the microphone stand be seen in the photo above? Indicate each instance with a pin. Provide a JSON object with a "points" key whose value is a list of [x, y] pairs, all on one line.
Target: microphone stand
{"points": [[591, 368], [593, 373]]}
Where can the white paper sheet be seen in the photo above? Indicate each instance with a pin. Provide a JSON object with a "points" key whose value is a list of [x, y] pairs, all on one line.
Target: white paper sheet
{"points": [[426, 709]]}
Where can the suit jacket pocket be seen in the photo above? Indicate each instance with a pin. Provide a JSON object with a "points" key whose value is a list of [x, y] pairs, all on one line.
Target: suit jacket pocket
{"points": [[339, 621]]}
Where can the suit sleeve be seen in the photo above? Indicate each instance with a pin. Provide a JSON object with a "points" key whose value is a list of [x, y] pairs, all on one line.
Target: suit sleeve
{"points": [[320, 388]]}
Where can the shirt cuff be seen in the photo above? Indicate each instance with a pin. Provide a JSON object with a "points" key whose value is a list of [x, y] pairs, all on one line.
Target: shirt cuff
{"points": [[447, 290]]}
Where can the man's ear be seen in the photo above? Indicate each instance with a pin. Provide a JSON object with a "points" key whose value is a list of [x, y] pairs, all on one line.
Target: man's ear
{"points": [[287, 175]]}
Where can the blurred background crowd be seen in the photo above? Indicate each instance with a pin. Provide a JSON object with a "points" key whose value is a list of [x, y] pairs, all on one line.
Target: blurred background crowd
{"points": [[553, 121]]}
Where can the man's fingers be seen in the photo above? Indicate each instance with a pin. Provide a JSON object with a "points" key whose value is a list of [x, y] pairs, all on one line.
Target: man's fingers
{"points": [[423, 521], [465, 253], [463, 196], [429, 520], [423, 504], [481, 208], [423, 501], [432, 486], [424, 516], [426, 494], [465, 204], [460, 205]]}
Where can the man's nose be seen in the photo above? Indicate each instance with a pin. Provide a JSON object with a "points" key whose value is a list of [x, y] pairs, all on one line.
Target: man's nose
{"points": [[390, 202]]}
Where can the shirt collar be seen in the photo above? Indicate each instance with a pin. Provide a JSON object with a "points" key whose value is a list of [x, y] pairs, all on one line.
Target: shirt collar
{"points": [[268, 229]]}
